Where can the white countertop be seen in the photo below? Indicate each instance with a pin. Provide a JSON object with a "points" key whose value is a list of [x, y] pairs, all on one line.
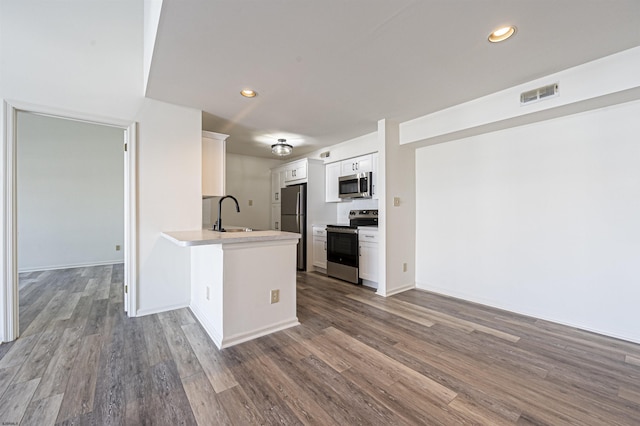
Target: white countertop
{"points": [[204, 237]]}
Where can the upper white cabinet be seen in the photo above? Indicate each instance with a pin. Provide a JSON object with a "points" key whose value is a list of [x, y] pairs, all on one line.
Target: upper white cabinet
{"points": [[351, 166], [296, 172], [332, 173], [213, 164], [355, 165]]}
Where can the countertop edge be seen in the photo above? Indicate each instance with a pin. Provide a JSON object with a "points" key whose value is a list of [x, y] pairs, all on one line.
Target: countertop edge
{"points": [[205, 237]]}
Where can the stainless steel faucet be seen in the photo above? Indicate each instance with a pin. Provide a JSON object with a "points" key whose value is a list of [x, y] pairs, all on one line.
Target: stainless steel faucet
{"points": [[218, 225]]}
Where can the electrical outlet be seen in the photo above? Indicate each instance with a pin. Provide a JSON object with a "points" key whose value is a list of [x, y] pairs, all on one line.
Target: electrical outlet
{"points": [[250, 203], [404, 267], [275, 296], [117, 248], [208, 293], [396, 201]]}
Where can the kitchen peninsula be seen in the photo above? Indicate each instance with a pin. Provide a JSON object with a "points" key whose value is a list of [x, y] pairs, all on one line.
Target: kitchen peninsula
{"points": [[243, 284]]}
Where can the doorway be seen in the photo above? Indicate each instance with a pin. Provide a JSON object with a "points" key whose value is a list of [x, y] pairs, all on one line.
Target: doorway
{"points": [[42, 256]]}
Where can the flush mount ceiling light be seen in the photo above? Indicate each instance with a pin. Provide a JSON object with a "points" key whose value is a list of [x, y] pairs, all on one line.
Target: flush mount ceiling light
{"points": [[281, 148], [248, 93], [502, 34]]}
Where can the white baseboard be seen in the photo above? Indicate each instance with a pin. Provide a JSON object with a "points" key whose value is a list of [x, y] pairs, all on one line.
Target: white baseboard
{"points": [[225, 342], [144, 312], [254, 334], [70, 266], [397, 290], [208, 327]]}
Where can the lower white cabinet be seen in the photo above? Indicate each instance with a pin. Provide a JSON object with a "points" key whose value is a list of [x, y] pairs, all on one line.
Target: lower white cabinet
{"points": [[368, 248], [320, 247], [275, 216]]}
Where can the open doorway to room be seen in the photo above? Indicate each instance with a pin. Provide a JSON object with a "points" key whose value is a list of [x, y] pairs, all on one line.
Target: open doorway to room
{"points": [[70, 197]]}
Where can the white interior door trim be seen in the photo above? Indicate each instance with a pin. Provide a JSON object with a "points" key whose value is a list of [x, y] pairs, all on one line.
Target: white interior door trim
{"points": [[130, 222], [8, 252]]}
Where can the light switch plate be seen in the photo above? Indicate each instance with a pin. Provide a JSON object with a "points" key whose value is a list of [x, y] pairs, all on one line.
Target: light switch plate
{"points": [[396, 201]]}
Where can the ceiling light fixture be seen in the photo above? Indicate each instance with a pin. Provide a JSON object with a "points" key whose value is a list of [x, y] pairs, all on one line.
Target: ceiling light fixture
{"points": [[248, 93], [281, 148], [502, 34]]}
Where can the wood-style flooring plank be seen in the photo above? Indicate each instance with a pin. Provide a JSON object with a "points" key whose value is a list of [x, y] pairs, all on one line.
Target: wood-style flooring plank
{"points": [[240, 409], [19, 351], [170, 403], [182, 352], [206, 407], [43, 412], [80, 390], [38, 360], [15, 400], [55, 378], [212, 363]]}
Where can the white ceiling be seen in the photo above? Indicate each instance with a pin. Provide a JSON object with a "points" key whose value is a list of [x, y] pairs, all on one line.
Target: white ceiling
{"points": [[327, 70]]}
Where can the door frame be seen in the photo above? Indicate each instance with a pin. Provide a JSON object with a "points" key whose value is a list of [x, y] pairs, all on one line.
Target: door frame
{"points": [[9, 279]]}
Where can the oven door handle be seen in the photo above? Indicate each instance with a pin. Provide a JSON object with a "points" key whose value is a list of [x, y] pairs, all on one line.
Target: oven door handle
{"points": [[342, 231]]}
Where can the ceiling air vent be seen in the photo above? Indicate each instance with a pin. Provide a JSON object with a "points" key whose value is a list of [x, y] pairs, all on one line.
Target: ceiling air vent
{"points": [[538, 94]]}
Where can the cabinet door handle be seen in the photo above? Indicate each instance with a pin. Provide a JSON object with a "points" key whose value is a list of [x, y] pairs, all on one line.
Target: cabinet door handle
{"points": [[368, 236], [277, 195], [357, 166], [325, 246], [277, 223]]}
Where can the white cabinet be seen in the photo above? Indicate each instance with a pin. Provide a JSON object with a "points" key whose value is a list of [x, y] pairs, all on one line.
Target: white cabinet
{"points": [[275, 216], [277, 183], [355, 165], [368, 247], [296, 172], [332, 173], [361, 164], [213, 164], [320, 247]]}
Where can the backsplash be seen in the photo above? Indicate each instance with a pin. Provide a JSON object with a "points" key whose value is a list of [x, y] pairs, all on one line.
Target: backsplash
{"points": [[357, 204]]}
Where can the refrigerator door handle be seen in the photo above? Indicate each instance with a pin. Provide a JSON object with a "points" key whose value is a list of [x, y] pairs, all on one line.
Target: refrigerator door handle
{"points": [[298, 204]]}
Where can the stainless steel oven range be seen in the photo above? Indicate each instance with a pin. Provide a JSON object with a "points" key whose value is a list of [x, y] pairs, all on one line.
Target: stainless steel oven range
{"points": [[342, 245]]}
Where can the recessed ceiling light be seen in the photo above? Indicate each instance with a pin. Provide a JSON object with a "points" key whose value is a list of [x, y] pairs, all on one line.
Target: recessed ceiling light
{"points": [[502, 34], [248, 93]]}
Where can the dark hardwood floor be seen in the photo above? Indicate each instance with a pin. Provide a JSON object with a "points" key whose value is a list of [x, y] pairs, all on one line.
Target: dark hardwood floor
{"points": [[356, 358]]}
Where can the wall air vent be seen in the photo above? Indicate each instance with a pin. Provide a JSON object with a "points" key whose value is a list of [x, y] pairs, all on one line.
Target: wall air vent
{"points": [[539, 94]]}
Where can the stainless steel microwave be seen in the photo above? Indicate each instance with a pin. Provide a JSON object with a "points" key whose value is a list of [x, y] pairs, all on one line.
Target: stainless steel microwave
{"points": [[355, 186]]}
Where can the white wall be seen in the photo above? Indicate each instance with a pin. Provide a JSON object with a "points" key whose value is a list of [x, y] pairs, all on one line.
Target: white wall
{"points": [[540, 219], [247, 178], [169, 199], [70, 193], [397, 245]]}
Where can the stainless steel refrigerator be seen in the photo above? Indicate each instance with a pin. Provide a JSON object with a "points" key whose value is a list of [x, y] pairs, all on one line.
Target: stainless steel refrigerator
{"points": [[294, 218]]}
